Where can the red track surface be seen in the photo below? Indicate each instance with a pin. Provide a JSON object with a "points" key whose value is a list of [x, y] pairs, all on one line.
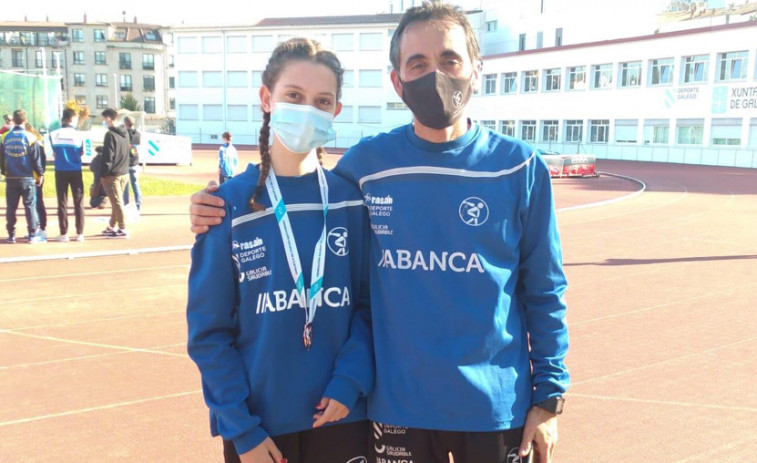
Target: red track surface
{"points": [[662, 315]]}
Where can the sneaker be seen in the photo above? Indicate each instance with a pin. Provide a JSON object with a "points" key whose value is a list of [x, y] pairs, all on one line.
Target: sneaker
{"points": [[118, 234], [62, 238], [43, 233], [108, 230], [37, 238], [11, 240], [80, 237]]}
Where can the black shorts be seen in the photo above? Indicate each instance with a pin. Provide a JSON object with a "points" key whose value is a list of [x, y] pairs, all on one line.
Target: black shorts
{"points": [[397, 444], [338, 443]]}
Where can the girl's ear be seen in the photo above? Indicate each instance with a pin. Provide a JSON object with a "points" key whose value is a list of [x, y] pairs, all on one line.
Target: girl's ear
{"points": [[265, 98]]}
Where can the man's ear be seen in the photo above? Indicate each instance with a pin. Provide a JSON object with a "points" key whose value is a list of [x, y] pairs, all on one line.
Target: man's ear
{"points": [[396, 82]]}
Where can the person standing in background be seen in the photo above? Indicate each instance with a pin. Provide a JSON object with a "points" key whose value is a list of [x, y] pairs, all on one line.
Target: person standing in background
{"points": [[68, 148], [134, 141], [114, 172], [227, 159], [7, 124]]}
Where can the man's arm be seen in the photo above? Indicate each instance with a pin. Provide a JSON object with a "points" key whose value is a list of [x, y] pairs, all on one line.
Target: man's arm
{"points": [[205, 210]]}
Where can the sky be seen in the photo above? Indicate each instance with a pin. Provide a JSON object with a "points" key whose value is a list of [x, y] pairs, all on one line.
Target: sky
{"points": [[193, 12]]}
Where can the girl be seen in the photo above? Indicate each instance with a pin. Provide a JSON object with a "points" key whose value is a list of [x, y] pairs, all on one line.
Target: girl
{"points": [[278, 311]]}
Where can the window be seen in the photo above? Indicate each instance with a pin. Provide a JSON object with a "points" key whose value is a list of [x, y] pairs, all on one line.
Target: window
{"points": [[212, 45], [552, 80], [726, 132], [521, 42], [77, 35], [126, 83], [257, 79], [237, 112], [576, 78], [172, 82], [601, 76], [56, 59], [148, 61], [348, 79], [188, 112], [257, 113], [656, 131], [102, 102], [528, 130], [491, 26], [343, 42], [626, 130], [78, 80], [236, 79], [661, 71], [212, 112], [574, 131], [170, 61], [38, 58], [101, 80], [369, 78], [149, 105], [369, 114], [732, 66], [212, 79], [119, 34], [530, 81], [690, 131], [540, 40], [187, 79], [172, 104], [100, 57], [489, 124], [262, 43], [558, 37], [236, 44], [82, 100], [695, 68], [490, 84], [187, 45], [78, 57], [99, 35], [19, 59], [124, 60], [599, 130], [507, 128], [396, 106], [630, 74], [549, 130], [508, 82], [347, 114], [371, 41], [148, 83]]}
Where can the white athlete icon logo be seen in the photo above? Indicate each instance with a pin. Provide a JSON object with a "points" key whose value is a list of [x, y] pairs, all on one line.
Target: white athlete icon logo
{"points": [[358, 460], [239, 267], [513, 456], [474, 211], [337, 241], [377, 433]]}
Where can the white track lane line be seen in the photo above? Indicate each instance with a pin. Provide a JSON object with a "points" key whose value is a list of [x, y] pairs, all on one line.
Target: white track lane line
{"points": [[87, 274], [121, 252], [81, 357], [659, 402], [126, 349]]}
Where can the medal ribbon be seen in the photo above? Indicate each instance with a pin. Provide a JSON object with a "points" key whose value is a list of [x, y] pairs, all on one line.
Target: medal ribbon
{"points": [[307, 298]]}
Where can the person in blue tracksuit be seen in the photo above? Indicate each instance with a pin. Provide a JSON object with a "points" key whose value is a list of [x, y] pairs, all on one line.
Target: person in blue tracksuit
{"points": [[277, 312], [227, 159], [68, 149], [466, 276], [22, 165]]}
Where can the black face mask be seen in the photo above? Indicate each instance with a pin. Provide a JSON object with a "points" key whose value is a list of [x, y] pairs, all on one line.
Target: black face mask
{"points": [[436, 99]]}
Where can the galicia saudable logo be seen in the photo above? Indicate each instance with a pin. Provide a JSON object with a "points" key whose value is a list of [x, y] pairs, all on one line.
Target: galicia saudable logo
{"points": [[337, 241], [474, 211]]}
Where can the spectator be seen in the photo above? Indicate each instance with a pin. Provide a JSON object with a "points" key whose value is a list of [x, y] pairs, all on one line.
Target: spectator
{"points": [[21, 164], [134, 140], [97, 196], [41, 210], [114, 173], [68, 148], [7, 124], [227, 159]]}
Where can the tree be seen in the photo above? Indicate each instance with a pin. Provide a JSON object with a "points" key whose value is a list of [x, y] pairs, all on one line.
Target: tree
{"points": [[129, 102]]}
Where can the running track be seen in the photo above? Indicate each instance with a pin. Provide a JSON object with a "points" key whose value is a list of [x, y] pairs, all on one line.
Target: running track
{"points": [[662, 314]]}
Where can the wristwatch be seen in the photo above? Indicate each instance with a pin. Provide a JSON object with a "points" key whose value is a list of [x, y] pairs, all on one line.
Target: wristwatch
{"points": [[553, 405]]}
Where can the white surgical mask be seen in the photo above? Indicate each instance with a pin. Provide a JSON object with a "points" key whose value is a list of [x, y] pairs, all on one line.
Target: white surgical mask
{"points": [[300, 128]]}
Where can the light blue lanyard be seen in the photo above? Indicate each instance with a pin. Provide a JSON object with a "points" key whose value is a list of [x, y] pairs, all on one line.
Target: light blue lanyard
{"points": [[307, 298]]}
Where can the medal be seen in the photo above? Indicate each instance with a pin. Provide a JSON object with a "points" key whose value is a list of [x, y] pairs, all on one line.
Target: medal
{"points": [[307, 298]]}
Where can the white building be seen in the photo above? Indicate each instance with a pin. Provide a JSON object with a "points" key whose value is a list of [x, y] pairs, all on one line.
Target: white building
{"points": [[687, 96]]}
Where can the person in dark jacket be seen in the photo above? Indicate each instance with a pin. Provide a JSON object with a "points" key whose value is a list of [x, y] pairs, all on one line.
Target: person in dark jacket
{"points": [[114, 172], [21, 164], [97, 197], [134, 140]]}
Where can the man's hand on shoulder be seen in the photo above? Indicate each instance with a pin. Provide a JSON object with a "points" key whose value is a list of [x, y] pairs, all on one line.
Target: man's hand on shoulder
{"points": [[205, 210]]}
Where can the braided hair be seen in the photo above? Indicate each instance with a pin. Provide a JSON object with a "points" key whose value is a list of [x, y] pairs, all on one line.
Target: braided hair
{"points": [[299, 49]]}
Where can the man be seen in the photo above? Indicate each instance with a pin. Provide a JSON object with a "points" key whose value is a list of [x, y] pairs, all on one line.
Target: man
{"points": [[7, 124], [469, 323], [68, 148], [21, 162], [114, 173], [134, 140]]}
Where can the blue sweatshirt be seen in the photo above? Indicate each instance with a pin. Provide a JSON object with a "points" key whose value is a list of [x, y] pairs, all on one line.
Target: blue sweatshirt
{"points": [[465, 266], [227, 159], [245, 320], [20, 154], [68, 148]]}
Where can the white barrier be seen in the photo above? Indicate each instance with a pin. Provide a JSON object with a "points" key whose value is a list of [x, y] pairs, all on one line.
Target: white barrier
{"points": [[154, 148]]}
